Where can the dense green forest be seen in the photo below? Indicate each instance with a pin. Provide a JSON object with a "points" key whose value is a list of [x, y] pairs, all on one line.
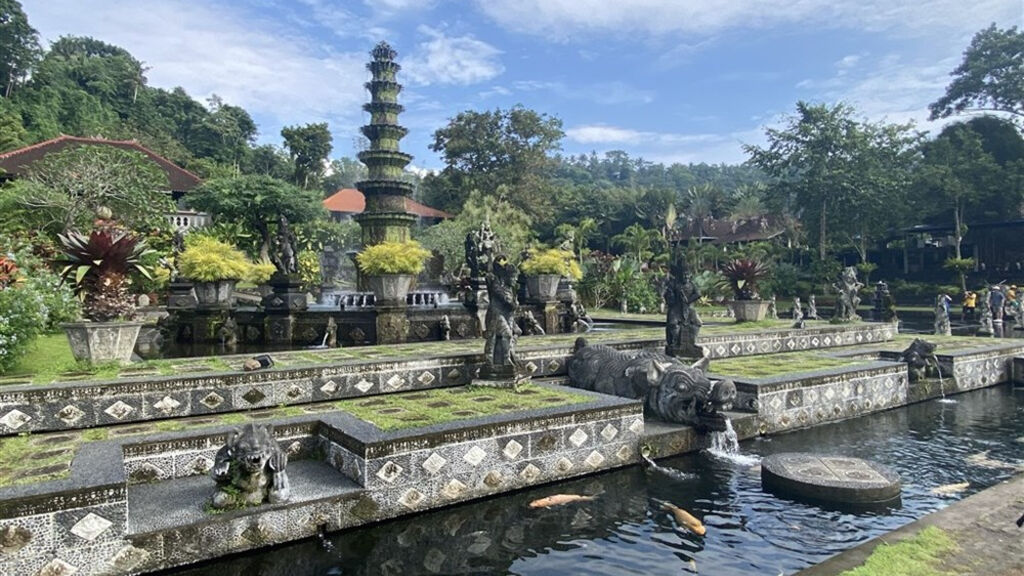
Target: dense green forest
{"points": [[836, 181]]}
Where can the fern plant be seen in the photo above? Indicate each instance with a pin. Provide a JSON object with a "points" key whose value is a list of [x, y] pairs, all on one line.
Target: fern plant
{"points": [[392, 258]]}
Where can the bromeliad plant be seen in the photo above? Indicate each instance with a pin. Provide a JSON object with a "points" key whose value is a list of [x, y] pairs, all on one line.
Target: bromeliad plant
{"points": [[99, 266], [743, 276]]}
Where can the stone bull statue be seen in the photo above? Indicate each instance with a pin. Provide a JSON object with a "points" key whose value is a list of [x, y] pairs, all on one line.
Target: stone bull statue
{"points": [[671, 390]]}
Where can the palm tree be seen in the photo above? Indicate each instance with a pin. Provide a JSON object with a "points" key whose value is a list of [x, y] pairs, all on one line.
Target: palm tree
{"points": [[700, 203], [637, 241]]}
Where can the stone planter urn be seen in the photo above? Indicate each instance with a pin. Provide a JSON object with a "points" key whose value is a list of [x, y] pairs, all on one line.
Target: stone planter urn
{"points": [[216, 294], [543, 287], [749, 310], [390, 289], [102, 341]]}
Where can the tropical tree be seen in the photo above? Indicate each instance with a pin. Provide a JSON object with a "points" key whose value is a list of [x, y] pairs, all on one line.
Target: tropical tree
{"points": [[257, 202], [637, 241], [500, 153], [308, 146], [699, 206], [989, 78], [65, 189], [19, 46]]}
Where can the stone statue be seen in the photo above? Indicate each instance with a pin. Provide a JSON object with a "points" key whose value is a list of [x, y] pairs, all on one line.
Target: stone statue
{"points": [[480, 247], [812, 308], [499, 350], [985, 319], [228, 333], [682, 324], [798, 313], [942, 327], [250, 469], [671, 390], [917, 355], [579, 318], [531, 327], [847, 297], [446, 327], [177, 247], [284, 257], [773, 311]]}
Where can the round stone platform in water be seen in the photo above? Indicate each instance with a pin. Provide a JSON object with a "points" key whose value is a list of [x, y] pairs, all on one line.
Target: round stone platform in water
{"points": [[838, 479]]}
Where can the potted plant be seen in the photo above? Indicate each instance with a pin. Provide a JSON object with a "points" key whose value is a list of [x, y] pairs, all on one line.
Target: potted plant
{"points": [[214, 267], [743, 276], [99, 266], [391, 267], [544, 269]]}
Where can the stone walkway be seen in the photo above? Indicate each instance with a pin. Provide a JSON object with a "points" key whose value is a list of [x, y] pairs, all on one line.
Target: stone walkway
{"points": [[983, 526]]}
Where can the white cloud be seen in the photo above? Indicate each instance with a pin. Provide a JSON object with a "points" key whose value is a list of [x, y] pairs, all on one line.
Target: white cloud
{"points": [[603, 134], [247, 61], [666, 147], [565, 19], [610, 93], [452, 60]]}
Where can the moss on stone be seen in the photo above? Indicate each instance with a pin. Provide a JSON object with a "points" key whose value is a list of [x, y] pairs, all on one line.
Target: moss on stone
{"points": [[777, 364], [917, 556], [425, 408]]}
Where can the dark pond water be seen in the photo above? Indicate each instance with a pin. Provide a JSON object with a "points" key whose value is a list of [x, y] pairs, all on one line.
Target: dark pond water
{"points": [[979, 438]]}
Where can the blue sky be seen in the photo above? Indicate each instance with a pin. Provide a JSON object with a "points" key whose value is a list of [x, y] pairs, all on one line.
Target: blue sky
{"points": [[668, 80]]}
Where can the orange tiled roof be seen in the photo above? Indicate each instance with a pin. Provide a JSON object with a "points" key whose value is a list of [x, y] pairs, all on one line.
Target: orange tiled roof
{"points": [[352, 201]]}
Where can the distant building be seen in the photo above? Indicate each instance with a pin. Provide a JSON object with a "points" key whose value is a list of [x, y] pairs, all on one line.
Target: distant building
{"points": [[347, 202], [17, 162]]}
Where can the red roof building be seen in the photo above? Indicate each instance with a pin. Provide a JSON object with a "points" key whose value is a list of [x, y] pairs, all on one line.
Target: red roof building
{"points": [[17, 162], [347, 202]]}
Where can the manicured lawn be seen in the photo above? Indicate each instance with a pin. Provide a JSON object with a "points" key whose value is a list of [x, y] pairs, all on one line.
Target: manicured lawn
{"points": [[777, 364], [411, 409]]}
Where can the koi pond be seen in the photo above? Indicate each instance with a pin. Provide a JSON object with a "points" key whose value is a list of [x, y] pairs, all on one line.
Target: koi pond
{"points": [[977, 437]]}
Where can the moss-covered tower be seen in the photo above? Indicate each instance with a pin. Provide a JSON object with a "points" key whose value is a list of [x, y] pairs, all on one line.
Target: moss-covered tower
{"points": [[385, 217]]}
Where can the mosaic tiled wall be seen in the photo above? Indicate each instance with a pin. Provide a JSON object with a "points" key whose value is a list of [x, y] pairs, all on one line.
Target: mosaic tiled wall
{"points": [[825, 397], [89, 530], [740, 344]]}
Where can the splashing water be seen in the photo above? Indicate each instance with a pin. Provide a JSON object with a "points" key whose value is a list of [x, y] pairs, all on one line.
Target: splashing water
{"points": [[726, 445], [666, 471], [942, 382]]}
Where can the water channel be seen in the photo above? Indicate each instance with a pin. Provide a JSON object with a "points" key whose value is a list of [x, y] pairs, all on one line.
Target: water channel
{"points": [[978, 439]]}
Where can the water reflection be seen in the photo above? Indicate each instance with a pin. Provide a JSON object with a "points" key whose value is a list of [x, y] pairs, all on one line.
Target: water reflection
{"points": [[625, 531]]}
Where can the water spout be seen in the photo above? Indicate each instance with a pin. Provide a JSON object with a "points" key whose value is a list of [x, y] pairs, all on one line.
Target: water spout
{"points": [[942, 382], [726, 445]]}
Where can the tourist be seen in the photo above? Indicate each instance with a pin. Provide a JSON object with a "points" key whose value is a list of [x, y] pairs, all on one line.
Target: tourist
{"points": [[970, 303]]}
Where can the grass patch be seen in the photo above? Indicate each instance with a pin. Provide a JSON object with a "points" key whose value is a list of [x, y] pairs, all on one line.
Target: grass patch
{"points": [[766, 365], [398, 411], [917, 556], [18, 455]]}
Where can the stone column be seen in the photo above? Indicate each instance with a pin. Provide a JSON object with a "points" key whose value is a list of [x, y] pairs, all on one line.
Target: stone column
{"points": [[392, 324]]}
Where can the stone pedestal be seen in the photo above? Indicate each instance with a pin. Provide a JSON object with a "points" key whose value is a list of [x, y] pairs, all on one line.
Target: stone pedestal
{"points": [[181, 296], [286, 296], [102, 341], [499, 377], [279, 329], [685, 349], [835, 479], [392, 324]]}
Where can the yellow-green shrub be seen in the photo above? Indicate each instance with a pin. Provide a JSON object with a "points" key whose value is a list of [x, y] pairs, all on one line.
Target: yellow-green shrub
{"points": [[392, 258], [207, 259], [552, 261], [260, 273]]}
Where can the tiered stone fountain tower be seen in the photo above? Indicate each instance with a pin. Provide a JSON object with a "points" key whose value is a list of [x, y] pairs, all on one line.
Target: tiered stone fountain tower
{"points": [[385, 218]]}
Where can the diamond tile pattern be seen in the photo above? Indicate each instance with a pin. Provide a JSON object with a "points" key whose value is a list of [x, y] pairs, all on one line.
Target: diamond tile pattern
{"points": [[91, 527], [453, 489], [578, 437], [167, 404], [329, 387], [529, 473], [595, 459], [434, 463], [426, 378], [14, 419], [475, 456], [58, 567], [69, 414], [512, 449], [212, 400], [609, 432], [389, 471], [119, 410], [363, 385], [412, 498], [253, 396]]}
